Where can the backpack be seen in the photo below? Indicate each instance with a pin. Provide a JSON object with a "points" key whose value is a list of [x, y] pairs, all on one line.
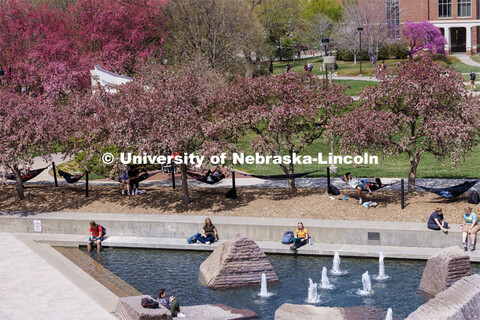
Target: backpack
{"points": [[474, 198], [149, 303], [104, 230], [333, 190], [193, 239], [287, 237], [473, 76]]}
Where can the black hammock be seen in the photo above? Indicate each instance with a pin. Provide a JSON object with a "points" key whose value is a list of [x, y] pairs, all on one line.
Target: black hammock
{"points": [[70, 178], [452, 192], [208, 178], [27, 176], [279, 176], [143, 176]]}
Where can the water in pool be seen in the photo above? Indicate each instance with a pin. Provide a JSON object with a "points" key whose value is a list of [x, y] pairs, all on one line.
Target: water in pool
{"points": [[177, 271]]}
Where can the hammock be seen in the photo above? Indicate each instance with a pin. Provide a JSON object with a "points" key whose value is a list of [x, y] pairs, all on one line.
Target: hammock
{"points": [[280, 176], [208, 178], [70, 178], [28, 176], [371, 185], [143, 176], [452, 192]]}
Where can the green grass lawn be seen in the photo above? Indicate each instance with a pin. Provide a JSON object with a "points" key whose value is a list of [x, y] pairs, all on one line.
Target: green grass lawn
{"points": [[391, 167], [355, 86]]}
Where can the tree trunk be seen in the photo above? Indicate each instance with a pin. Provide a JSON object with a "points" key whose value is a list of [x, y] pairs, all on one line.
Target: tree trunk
{"points": [[186, 197], [18, 179], [291, 184], [411, 175]]}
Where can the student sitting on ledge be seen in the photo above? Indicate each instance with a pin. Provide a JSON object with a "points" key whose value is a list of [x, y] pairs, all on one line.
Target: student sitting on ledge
{"points": [[170, 303], [436, 221], [301, 237], [209, 233]]}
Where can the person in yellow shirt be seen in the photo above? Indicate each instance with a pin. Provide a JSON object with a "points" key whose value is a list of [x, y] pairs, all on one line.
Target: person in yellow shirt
{"points": [[301, 237]]}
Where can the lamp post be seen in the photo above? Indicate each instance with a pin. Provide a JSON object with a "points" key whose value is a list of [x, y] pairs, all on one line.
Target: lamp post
{"points": [[325, 42], [360, 29]]}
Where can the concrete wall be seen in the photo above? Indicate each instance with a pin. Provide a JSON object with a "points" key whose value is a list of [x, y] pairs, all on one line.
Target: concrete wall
{"points": [[264, 229]]}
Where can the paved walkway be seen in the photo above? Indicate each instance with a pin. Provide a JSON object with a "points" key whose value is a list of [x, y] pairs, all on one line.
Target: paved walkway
{"points": [[33, 289], [465, 59]]}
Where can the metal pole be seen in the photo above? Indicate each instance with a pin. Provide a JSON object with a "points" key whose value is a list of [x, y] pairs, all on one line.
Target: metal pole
{"points": [[328, 180], [233, 181], [403, 193], [360, 52], [54, 174], [173, 178], [86, 183]]}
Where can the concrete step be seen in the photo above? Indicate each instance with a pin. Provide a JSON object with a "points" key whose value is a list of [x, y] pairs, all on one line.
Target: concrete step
{"points": [[316, 249]]}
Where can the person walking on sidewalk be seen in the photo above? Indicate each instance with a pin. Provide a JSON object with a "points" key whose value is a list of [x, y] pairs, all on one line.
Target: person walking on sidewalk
{"points": [[473, 77]]}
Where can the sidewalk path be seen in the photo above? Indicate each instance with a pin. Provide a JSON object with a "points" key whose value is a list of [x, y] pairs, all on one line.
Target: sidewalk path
{"points": [[33, 289], [465, 59]]}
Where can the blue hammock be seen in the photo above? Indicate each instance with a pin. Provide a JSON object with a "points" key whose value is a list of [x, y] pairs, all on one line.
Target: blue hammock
{"points": [[452, 192]]}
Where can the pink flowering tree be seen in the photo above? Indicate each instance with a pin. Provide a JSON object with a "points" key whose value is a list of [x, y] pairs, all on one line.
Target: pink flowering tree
{"points": [[38, 51], [28, 127], [419, 107], [422, 36], [160, 111], [119, 35], [286, 112]]}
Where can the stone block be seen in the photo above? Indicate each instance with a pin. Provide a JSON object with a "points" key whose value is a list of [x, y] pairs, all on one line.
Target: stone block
{"points": [[461, 301], [130, 308], [444, 269], [217, 312], [289, 311], [239, 262]]}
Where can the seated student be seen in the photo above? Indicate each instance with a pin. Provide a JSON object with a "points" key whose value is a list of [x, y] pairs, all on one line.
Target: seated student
{"points": [[133, 175], [436, 221], [209, 233], [301, 237], [125, 181], [469, 226], [96, 236], [170, 303], [361, 184]]}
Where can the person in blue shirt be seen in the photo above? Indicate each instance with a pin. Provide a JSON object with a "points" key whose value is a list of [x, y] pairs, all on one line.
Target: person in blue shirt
{"points": [[436, 221], [469, 226]]}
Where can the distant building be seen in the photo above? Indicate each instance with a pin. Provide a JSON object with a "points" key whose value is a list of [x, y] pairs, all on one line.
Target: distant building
{"points": [[459, 20]]}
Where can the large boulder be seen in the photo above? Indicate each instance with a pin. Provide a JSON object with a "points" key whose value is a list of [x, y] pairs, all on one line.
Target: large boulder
{"points": [[239, 262], [461, 301], [444, 269], [130, 308], [289, 311]]}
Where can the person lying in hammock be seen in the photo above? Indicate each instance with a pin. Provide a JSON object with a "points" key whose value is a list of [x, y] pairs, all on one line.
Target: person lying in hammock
{"points": [[362, 184], [210, 177]]}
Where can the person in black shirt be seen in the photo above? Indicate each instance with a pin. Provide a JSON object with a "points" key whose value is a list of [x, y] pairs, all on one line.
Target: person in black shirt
{"points": [[436, 221], [133, 175]]}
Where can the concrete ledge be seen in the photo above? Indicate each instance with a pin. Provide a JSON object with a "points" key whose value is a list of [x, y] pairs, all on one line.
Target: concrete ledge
{"points": [[370, 233], [317, 249]]}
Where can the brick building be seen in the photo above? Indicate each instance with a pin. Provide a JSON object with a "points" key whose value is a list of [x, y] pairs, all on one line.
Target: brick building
{"points": [[459, 20]]}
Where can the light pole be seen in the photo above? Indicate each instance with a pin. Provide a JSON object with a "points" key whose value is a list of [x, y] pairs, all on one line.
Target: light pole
{"points": [[360, 29], [325, 42]]}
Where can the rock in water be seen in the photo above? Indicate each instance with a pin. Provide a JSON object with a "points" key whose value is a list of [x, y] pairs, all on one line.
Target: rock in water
{"points": [[461, 301], [239, 262], [444, 269]]}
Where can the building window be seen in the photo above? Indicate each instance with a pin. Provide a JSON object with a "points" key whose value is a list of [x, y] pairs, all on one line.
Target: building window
{"points": [[393, 18], [444, 8], [464, 8]]}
